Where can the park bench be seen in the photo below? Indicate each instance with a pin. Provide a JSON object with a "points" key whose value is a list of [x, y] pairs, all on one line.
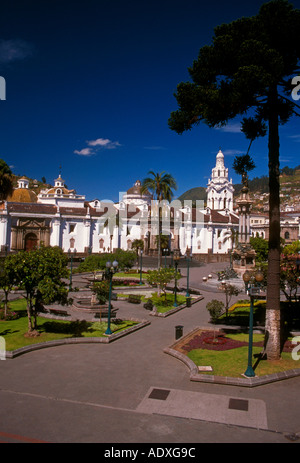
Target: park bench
{"points": [[148, 305], [134, 298], [104, 313]]}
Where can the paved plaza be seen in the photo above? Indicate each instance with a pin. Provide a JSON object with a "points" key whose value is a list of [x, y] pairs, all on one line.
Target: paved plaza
{"points": [[130, 391]]}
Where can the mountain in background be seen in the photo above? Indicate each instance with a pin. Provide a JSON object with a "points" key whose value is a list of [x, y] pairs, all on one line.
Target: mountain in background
{"points": [[259, 190]]}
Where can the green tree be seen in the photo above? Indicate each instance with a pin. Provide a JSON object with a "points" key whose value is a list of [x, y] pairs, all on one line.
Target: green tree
{"points": [[101, 289], [247, 71], [293, 248], [6, 284], [6, 182], [215, 309], [161, 185], [289, 277], [136, 245], [162, 277], [39, 273], [261, 247]]}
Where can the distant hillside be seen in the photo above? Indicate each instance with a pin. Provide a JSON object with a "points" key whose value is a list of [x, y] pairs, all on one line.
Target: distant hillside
{"points": [[256, 185], [259, 190], [194, 194]]}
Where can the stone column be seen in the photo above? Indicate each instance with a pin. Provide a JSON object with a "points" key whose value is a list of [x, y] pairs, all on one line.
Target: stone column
{"points": [[4, 228]]}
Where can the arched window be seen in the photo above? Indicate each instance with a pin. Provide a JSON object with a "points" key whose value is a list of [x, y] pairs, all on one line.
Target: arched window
{"points": [[72, 243], [101, 243], [287, 235]]}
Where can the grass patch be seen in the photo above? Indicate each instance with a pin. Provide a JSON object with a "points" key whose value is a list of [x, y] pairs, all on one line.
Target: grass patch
{"points": [[163, 305], [234, 362], [238, 314], [129, 274], [13, 331]]}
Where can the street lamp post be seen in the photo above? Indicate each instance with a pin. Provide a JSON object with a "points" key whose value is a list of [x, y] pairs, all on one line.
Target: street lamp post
{"points": [[176, 260], [253, 290], [165, 254], [111, 269], [141, 266], [188, 252], [71, 254]]}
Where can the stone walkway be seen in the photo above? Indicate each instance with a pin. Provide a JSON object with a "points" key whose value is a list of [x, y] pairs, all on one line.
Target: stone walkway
{"points": [[131, 391]]}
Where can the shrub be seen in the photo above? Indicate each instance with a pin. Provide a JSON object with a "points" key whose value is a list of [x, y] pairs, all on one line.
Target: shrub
{"points": [[9, 315], [101, 289], [215, 309], [94, 262]]}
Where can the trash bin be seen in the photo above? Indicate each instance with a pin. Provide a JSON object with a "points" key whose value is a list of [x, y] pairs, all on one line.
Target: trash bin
{"points": [[188, 302], [178, 331]]}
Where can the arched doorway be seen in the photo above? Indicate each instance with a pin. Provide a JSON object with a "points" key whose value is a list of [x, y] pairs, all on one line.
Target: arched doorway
{"points": [[31, 241]]}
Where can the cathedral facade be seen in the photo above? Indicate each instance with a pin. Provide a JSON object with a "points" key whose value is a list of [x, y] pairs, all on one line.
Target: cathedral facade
{"points": [[60, 217]]}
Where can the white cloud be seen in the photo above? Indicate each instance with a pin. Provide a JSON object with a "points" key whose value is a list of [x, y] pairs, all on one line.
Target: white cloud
{"points": [[84, 152], [234, 127], [104, 143], [294, 137], [233, 152], [14, 50], [99, 143]]}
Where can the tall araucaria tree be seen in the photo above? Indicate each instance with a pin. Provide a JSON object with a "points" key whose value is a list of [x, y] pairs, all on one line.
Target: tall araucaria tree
{"points": [[162, 186], [247, 71]]}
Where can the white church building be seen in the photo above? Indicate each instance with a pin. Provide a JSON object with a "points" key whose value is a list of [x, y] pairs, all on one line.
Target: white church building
{"points": [[60, 217]]}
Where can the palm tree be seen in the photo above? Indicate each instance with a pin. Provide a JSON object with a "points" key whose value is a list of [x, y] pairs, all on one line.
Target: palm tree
{"points": [[6, 183], [161, 185]]}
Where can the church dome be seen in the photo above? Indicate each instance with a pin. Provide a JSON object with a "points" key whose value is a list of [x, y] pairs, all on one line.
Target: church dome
{"points": [[135, 194], [22, 195], [136, 189]]}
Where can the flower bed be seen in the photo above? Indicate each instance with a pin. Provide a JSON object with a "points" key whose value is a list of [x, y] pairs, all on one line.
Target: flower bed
{"points": [[205, 340], [125, 282]]}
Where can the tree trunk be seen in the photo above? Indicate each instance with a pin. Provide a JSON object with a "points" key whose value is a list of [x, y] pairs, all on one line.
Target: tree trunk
{"points": [[5, 303], [29, 316], [272, 333]]}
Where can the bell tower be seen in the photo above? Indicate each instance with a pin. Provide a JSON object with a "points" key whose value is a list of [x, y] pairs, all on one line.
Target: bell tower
{"points": [[220, 189]]}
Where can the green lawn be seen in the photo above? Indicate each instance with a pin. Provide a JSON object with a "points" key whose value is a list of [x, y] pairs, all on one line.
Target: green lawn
{"points": [[165, 306], [130, 275], [234, 362], [13, 331]]}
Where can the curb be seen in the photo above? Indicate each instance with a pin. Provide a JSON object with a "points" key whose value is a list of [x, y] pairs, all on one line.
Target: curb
{"points": [[227, 380], [61, 342], [176, 309]]}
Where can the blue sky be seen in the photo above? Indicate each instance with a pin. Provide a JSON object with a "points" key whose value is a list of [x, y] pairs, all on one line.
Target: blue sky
{"points": [[90, 87]]}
